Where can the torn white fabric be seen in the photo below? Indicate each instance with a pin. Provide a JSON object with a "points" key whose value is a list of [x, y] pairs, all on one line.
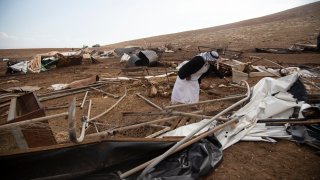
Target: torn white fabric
{"points": [[58, 86], [263, 104], [124, 58], [270, 99], [261, 132], [303, 107], [185, 130], [21, 66]]}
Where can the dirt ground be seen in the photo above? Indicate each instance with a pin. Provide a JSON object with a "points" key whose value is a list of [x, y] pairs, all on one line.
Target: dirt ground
{"points": [[244, 160]]}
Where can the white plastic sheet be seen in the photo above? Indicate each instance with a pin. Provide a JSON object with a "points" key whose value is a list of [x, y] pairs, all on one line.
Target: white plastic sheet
{"points": [[21, 66], [270, 99], [185, 130], [58, 86]]}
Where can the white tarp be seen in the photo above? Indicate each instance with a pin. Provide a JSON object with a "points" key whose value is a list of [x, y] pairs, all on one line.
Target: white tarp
{"points": [[21, 66], [261, 132], [270, 99], [185, 130]]}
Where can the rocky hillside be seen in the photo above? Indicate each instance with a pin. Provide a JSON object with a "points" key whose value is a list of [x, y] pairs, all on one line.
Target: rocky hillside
{"points": [[301, 24]]}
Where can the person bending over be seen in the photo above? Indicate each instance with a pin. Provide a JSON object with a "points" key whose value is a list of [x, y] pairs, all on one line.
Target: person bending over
{"points": [[187, 86]]}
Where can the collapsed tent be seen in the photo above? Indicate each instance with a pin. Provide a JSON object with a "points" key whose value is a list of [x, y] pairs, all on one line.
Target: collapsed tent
{"points": [[47, 61], [271, 98], [43, 62]]}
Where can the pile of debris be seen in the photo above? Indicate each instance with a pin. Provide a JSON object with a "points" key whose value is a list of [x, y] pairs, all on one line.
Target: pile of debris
{"points": [[50, 60], [181, 140], [295, 48]]}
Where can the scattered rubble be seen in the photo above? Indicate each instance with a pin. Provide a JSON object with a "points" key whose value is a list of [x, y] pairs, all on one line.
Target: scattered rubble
{"points": [[271, 109]]}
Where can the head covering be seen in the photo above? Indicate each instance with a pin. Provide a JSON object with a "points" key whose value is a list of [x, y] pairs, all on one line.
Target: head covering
{"points": [[209, 56]]}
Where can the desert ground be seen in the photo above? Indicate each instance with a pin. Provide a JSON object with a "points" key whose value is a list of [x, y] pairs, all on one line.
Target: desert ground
{"points": [[244, 160]]}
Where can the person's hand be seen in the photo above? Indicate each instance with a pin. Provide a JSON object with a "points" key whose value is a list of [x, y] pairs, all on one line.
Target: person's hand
{"points": [[188, 78]]}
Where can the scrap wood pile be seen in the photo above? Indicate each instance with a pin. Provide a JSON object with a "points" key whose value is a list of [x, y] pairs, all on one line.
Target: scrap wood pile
{"points": [[115, 108]]}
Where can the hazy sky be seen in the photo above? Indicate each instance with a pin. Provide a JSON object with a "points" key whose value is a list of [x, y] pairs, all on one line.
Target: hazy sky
{"points": [[74, 23]]}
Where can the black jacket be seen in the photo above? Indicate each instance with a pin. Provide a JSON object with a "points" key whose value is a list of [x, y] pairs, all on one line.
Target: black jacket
{"points": [[194, 65]]}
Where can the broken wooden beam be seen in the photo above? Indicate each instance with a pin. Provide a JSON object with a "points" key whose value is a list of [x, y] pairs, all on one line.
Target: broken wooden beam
{"points": [[204, 102], [106, 93], [84, 99], [108, 110], [107, 132], [158, 133], [149, 102]]}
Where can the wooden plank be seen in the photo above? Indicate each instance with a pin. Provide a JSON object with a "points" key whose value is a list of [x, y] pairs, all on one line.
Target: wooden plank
{"points": [[12, 110], [16, 132], [19, 137], [183, 121]]}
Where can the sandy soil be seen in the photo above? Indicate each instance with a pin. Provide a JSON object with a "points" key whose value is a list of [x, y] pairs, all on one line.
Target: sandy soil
{"points": [[244, 160]]}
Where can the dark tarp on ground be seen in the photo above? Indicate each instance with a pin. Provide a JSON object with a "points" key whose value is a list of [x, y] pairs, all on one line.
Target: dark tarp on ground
{"points": [[308, 134], [298, 91], [78, 161], [102, 160], [191, 163]]}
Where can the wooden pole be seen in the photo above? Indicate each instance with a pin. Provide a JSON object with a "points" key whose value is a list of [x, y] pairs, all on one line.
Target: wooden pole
{"points": [[149, 102], [106, 93], [84, 99], [203, 102], [108, 110], [20, 123], [103, 133]]}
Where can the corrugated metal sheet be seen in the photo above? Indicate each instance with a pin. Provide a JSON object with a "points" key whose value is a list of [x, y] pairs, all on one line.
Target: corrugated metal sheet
{"points": [[151, 56], [133, 59]]}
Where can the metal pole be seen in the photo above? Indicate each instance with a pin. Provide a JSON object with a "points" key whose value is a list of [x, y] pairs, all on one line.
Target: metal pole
{"points": [[71, 124], [189, 114]]}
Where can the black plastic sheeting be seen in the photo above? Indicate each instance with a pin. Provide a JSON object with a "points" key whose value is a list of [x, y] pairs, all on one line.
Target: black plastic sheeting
{"points": [[196, 161], [308, 134], [102, 160], [80, 160], [298, 91]]}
